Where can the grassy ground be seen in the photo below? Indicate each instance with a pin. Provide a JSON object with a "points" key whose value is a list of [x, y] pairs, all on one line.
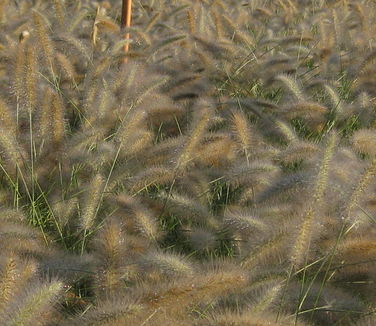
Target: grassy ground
{"points": [[223, 174]]}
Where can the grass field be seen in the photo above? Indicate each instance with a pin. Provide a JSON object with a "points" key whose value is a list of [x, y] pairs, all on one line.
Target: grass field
{"points": [[220, 172]]}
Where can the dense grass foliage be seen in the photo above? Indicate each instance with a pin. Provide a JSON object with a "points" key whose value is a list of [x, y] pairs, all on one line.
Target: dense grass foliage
{"points": [[222, 174]]}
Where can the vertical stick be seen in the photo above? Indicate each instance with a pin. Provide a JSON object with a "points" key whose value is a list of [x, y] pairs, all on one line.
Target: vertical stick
{"points": [[126, 16]]}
